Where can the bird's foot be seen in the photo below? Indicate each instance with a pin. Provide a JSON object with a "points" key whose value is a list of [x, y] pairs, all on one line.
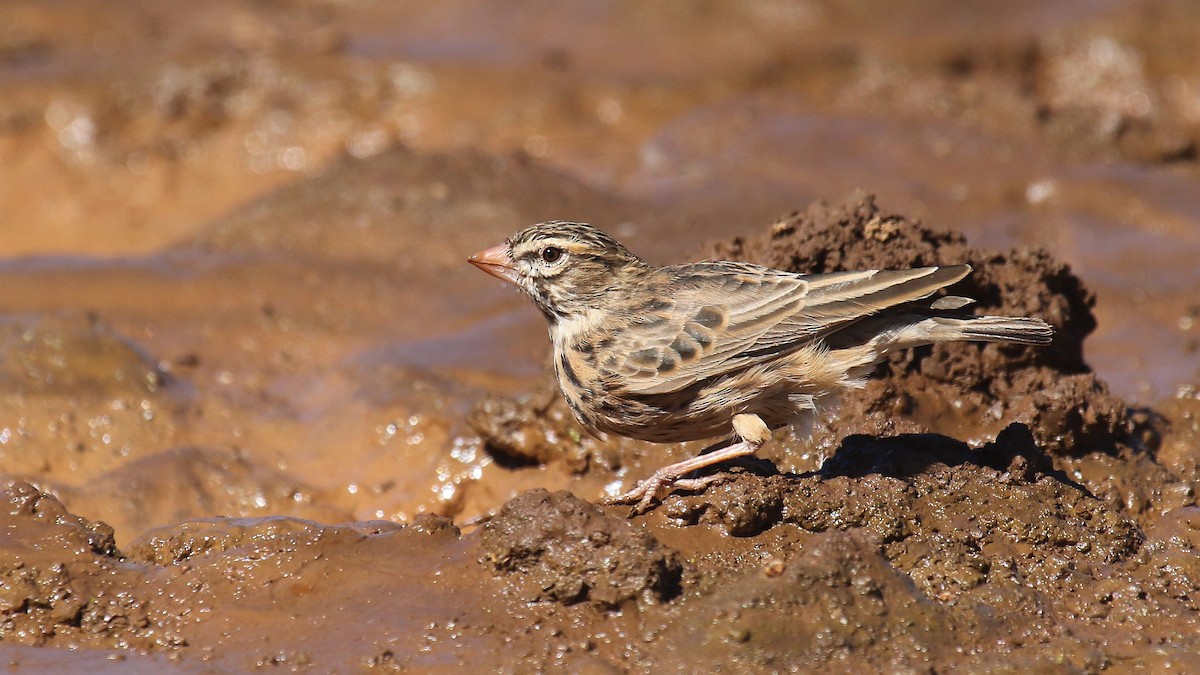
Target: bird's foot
{"points": [[750, 428], [642, 495]]}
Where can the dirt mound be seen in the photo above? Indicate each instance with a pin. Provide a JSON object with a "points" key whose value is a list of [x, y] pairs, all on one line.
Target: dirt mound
{"points": [[58, 573], [560, 547]]}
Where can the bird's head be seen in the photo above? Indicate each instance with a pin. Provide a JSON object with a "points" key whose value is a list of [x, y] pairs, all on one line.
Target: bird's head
{"points": [[567, 268]]}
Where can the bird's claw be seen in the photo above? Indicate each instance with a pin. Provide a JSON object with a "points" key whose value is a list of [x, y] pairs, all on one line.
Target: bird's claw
{"points": [[642, 495]]}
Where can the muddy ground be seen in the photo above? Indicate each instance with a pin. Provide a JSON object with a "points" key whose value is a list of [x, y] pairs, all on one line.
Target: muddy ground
{"points": [[258, 413]]}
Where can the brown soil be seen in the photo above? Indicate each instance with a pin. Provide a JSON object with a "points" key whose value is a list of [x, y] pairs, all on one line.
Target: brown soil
{"points": [[258, 413]]}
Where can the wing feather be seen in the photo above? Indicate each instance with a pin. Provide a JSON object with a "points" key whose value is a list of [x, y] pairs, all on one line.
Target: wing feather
{"points": [[724, 316]]}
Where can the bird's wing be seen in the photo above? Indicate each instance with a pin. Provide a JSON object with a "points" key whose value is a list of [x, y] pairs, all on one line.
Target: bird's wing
{"points": [[839, 298], [713, 318]]}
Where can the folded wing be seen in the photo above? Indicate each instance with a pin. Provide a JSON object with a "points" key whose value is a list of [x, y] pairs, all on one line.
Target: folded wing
{"points": [[722, 316]]}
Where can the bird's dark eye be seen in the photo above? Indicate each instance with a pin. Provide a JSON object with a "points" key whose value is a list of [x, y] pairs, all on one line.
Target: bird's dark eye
{"points": [[551, 253]]}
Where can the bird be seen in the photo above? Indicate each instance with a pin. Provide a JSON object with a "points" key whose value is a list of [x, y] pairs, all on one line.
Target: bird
{"points": [[720, 349]]}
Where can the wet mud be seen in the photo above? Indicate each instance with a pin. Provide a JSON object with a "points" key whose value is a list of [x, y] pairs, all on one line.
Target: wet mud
{"points": [[257, 413]]}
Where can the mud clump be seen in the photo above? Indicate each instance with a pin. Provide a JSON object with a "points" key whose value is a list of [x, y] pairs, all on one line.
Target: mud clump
{"points": [[22, 501], [56, 578], [786, 617], [540, 429], [529, 432], [943, 512], [559, 547], [195, 540]]}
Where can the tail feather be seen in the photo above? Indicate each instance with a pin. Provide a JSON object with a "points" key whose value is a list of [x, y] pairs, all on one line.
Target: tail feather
{"points": [[1018, 330], [890, 334], [869, 342]]}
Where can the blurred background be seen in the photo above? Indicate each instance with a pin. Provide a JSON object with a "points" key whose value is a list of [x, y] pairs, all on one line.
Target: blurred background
{"points": [[233, 232]]}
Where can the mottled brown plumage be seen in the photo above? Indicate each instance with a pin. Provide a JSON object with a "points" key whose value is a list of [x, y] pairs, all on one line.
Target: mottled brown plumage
{"points": [[706, 349]]}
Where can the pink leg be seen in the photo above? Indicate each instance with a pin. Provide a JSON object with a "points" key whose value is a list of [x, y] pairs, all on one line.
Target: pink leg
{"points": [[750, 428]]}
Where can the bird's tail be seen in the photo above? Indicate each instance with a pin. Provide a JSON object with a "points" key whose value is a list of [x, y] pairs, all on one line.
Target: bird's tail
{"points": [[1019, 330], [933, 329], [896, 333]]}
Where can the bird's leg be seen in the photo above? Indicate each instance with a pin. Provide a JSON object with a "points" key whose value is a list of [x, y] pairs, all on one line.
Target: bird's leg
{"points": [[753, 433]]}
